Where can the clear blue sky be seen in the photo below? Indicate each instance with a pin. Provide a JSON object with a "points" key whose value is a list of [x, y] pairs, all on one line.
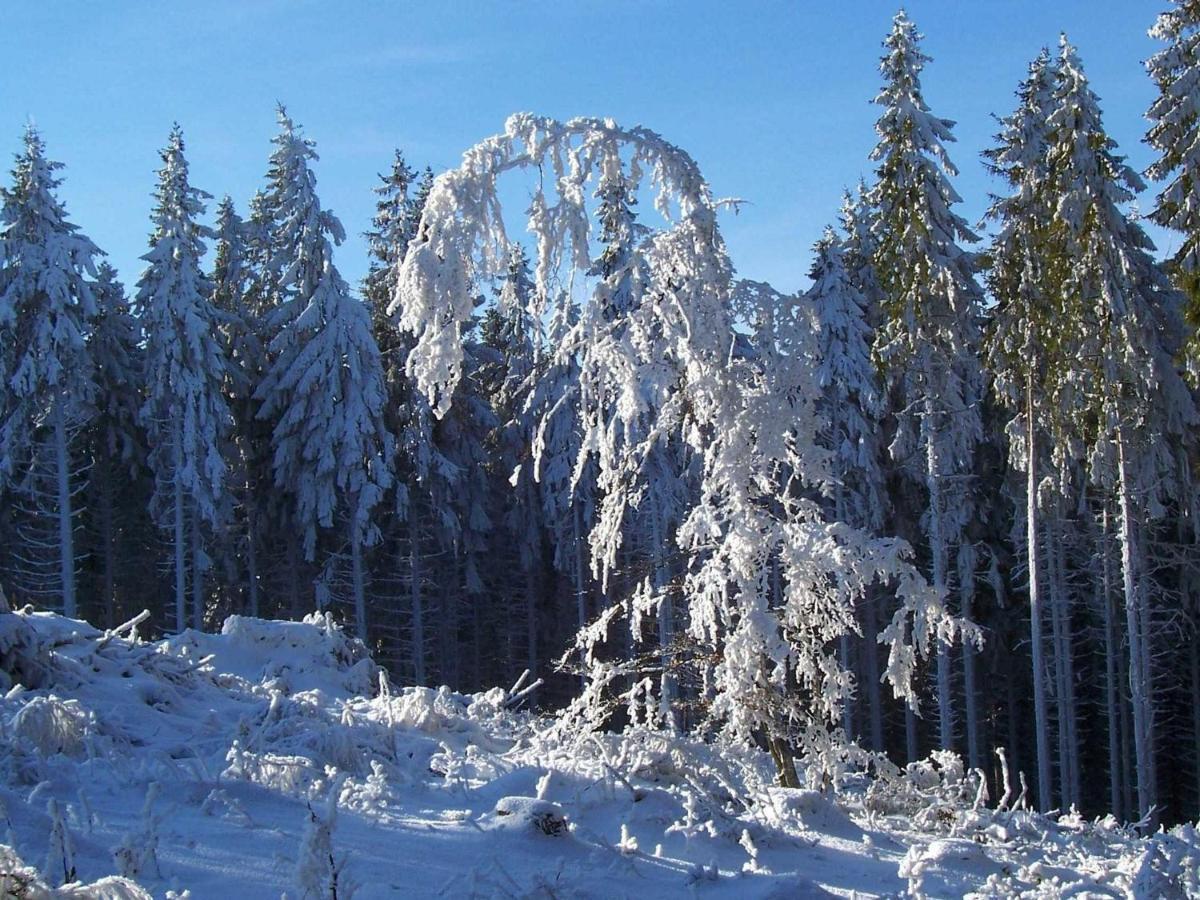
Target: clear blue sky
{"points": [[771, 98]]}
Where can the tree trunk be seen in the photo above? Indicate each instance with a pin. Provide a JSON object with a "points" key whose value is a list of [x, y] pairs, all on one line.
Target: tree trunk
{"points": [[1112, 698], [108, 548], [785, 762], [66, 523], [293, 574], [1041, 726], [1061, 599], [180, 552], [666, 623], [937, 547], [966, 585], [871, 668], [1139, 685], [356, 578], [251, 558], [418, 613], [580, 575], [197, 572]]}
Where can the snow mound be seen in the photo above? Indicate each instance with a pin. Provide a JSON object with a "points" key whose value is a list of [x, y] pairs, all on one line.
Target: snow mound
{"points": [[313, 654], [531, 814]]}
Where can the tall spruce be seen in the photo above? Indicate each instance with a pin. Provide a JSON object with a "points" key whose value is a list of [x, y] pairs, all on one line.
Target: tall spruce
{"points": [[929, 337], [47, 312], [185, 413], [323, 387], [852, 406], [1175, 134], [116, 443], [1135, 412], [1026, 353]]}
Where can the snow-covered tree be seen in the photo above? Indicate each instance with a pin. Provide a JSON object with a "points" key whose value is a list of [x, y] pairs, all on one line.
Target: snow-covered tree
{"points": [[323, 388], [116, 443], [1030, 364], [1134, 410], [929, 336], [47, 308], [185, 413], [1175, 135], [670, 377], [852, 405], [510, 329], [245, 355]]}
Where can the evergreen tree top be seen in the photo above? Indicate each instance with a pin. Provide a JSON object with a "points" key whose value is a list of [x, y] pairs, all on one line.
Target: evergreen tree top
{"points": [[907, 125], [45, 291]]}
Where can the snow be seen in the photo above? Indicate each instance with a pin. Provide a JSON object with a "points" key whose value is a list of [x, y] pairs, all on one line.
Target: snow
{"points": [[275, 757]]}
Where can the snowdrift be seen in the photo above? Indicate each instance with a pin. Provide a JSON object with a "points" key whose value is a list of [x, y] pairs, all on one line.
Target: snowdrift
{"points": [[276, 757]]}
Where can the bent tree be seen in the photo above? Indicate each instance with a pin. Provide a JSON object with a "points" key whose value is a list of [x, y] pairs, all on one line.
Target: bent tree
{"points": [[768, 583]]}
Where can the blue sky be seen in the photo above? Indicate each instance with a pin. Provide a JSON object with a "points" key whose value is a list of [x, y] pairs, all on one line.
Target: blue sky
{"points": [[771, 98]]}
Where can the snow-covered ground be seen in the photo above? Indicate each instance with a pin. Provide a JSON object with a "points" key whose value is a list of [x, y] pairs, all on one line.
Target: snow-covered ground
{"points": [[260, 760]]}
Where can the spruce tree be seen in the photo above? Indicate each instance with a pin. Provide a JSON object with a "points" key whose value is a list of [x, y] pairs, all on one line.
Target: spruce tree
{"points": [[929, 336], [185, 414], [323, 387], [47, 312], [1175, 135], [1029, 361], [1134, 411], [852, 405], [116, 443]]}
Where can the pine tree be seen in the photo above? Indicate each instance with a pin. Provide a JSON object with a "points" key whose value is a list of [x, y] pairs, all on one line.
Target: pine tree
{"points": [[323, 388], [928, 339], [1175, 134], [185, 414], [47, 310]]}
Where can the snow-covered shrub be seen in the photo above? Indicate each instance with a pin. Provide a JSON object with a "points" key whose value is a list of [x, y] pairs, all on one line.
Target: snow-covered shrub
{"points": [[50, 725], [137, 854], [24, 659], [60, 851], [21, 882], [320, 875], [292, 775]]}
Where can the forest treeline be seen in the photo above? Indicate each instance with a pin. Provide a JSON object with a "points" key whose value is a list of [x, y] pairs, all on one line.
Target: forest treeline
{"points": [[943, 498]]}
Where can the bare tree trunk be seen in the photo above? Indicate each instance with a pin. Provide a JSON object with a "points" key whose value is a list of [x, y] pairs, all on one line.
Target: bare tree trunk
{"points": [[785, 762], [293, 574], [1139, 683], [418, 612], [531, 620], [871, 668], [197, 572], [252, 558], [356, 578], [937, 547], [580, 575], [1041, 726], [180, 553], [108, 542], [1112, 698], [66, 522], [966, 586], [1194, 655]]}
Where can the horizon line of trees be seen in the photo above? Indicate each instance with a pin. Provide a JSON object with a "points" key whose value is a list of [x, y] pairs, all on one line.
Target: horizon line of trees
{"points": [[255, 438]]}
